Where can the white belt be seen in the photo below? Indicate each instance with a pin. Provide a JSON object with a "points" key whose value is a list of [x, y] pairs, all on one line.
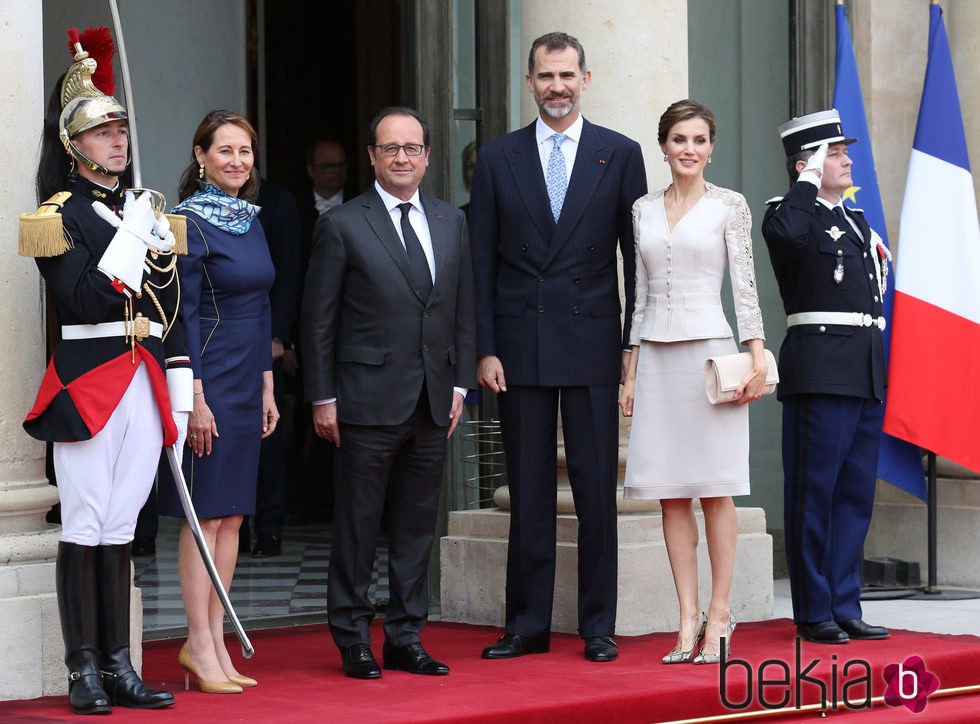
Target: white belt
{"points": [[849, 319], [106, 329]]}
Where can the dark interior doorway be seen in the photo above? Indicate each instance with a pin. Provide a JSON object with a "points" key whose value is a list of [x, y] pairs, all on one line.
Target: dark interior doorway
{"points": [[330, 65]]}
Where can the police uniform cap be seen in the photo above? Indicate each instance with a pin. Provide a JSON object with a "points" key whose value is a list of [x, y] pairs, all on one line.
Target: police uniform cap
{"points": [[809, 131]]}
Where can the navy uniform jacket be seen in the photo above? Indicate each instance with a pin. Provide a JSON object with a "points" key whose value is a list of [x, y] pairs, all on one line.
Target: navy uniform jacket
{"points": [[547, 294], [817, 358], [86, 378]]}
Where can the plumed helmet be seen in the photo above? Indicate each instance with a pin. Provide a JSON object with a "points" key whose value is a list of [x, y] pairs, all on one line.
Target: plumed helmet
{"points": [[83, 104]]}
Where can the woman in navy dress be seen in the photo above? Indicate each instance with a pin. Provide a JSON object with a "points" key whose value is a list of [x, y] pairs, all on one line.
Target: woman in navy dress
{"points": [[225, 282]]}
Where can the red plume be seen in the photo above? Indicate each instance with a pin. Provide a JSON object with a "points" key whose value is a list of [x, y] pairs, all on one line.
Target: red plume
{"points": [[97, 42], [72, 39]]}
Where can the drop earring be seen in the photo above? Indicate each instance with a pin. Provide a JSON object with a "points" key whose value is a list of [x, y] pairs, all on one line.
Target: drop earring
{"points": [[665, 158], [709, 159], [200, 171]]}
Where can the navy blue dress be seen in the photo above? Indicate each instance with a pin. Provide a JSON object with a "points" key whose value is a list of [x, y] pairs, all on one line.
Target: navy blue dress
{"points": [[225, 281]]}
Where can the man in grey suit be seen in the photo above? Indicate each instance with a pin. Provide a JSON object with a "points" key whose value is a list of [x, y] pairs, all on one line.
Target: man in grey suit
{"points": [[389, 353]]}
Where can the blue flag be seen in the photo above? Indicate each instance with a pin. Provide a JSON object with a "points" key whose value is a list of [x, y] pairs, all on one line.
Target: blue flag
{"points": [[899, 462]]}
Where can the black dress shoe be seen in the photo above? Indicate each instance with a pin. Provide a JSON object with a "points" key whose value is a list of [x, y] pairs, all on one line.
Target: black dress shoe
{"points": [[601, 648], [412, 658], [268, 546], [144, 546], [510, 646], [858, 629], [822, 632], [359, 662]]}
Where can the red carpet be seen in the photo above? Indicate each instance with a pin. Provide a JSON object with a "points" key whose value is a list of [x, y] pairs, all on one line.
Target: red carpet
{"points": [[301, 681]]}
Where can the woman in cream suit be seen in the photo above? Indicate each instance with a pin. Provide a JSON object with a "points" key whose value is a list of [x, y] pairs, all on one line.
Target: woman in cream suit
{"points": [[681, 447]]}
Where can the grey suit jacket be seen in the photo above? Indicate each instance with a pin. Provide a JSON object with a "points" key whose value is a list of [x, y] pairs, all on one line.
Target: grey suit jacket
{"points": [[368, 339]]}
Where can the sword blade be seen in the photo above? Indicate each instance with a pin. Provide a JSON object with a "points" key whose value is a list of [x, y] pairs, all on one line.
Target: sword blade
{"points": [[192, 521], [134, 146]]}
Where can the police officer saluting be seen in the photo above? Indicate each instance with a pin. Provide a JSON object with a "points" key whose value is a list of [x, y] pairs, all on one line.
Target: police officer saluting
{"points": [[832, 271]]}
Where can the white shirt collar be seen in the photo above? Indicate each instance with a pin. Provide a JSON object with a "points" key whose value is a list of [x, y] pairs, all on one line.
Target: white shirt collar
{"points": [[392, 202], [829, 205], [543, 132], [323, 204]]}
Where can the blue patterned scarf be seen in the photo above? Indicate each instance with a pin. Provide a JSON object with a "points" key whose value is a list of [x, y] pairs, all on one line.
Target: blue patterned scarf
{"points": [[228, 213]]}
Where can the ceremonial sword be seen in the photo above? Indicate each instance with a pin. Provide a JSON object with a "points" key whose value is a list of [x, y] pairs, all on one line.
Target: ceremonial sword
{"points": [[182, 491]]}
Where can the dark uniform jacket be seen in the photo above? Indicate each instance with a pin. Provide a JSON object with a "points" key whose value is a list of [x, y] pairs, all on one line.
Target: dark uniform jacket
{"points": [[824, 358], [86, 378]]}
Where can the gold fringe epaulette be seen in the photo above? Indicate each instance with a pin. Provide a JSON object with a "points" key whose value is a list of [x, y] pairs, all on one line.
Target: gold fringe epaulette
{"points": [[178, 225], [42, 232]]}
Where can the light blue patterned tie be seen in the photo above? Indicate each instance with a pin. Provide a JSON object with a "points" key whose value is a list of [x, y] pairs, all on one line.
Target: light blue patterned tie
{"points": [[557, 178]]}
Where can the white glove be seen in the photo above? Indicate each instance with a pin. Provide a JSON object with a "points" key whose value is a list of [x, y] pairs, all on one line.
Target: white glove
{"points": [[813, 171], [180, 385], [139, 220], [180, 420], [161, 230]]}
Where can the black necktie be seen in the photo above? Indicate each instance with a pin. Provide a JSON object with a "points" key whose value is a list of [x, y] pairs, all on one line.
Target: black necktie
{"points": [[848, 229], [416, 257]]}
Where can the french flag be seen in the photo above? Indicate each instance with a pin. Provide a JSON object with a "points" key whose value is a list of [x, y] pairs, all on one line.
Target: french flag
{"points": [[934, 376]]}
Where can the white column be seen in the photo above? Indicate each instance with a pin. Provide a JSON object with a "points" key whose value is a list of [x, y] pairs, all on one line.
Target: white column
{"points": [[30, 634]]}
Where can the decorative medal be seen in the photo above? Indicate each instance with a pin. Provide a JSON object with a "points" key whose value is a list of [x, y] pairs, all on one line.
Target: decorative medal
{"points": [[839, 271]]}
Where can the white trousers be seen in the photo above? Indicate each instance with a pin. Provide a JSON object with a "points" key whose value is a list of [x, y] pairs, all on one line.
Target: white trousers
{"points": [[103, 482]]}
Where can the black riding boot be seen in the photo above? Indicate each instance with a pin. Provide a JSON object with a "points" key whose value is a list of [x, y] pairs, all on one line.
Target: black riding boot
{"points": [[121, 682], [77, 602]]}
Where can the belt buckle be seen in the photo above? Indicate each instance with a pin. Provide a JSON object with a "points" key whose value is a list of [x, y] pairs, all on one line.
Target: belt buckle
{"points": [[141, 327], [867, 320]]}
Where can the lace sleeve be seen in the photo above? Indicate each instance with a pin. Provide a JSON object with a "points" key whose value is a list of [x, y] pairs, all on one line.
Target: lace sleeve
{"points": [[741, 269], [639, 306]]}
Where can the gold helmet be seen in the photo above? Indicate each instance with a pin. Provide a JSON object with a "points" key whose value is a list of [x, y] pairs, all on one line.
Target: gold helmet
{"points": [[83, 105]]}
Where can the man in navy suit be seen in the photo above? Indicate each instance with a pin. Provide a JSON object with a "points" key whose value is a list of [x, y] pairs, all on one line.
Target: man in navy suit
{"points": [[831, 269], [549, 205], [388, 356]]}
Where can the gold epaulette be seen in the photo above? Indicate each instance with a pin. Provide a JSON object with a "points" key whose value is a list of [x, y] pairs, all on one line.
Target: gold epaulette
{"points": [[178, 225], [41, 232]]}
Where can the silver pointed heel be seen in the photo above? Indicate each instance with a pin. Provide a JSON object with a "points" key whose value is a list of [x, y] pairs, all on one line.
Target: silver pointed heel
{"points": [[703, 658], [684, 657]]}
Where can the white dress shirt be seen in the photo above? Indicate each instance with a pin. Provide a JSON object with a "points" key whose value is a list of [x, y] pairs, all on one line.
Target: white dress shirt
{"points": [[323, 205], [416, 217], [569, 146]]}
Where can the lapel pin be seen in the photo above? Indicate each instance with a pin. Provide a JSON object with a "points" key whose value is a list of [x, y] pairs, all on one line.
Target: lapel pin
{"points": [[602, 161]]}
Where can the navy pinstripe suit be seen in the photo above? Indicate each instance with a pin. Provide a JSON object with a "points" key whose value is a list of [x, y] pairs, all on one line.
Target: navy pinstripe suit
{"points": [[548, 306]]}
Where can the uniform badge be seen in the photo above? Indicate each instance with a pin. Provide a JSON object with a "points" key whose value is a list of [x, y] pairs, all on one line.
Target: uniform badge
{"points": [[839, 273], [141, 327], [834, 233]]}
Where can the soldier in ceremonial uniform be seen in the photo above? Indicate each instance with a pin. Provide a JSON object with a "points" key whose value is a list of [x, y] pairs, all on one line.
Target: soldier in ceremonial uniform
{"points": [[832, 272], [108, 261]]}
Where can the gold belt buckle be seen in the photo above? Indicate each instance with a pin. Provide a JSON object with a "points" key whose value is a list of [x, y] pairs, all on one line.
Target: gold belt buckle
{"points": [[141, 327]]}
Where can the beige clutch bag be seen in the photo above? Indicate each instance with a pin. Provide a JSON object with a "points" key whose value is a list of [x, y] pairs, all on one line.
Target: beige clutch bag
{"points": [[723, 373]]}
